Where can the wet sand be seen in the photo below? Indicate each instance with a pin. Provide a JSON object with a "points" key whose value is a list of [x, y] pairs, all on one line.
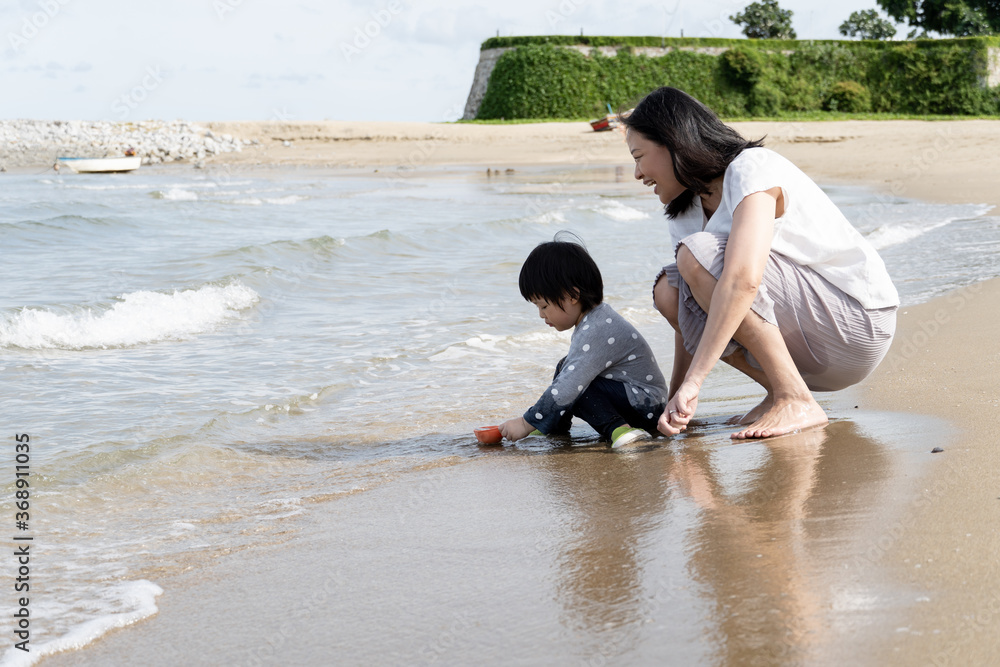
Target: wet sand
{"points": [[694, 551], [852, 544], [945, 362]]}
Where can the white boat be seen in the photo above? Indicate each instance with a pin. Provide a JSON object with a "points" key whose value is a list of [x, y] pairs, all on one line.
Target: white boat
{"points": [[101, 164]]}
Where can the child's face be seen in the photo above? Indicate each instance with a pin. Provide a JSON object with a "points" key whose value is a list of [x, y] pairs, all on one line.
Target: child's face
{"points": [[563, 315]]}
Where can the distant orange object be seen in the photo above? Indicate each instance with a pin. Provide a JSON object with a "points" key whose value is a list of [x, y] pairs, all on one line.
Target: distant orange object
{"points": [[489, 435], [609, 122]]}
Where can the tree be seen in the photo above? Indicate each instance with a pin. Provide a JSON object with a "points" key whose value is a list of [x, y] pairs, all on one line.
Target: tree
{"points": [[765, 20], [867, 25], [962, 18]]}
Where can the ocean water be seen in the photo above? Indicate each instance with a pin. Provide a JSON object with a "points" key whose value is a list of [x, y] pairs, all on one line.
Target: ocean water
{"points": [[200, 357]]}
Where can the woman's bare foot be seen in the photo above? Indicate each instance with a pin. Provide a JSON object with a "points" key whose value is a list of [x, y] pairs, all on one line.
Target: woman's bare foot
{"points": [[756, 413], [785, 416]]}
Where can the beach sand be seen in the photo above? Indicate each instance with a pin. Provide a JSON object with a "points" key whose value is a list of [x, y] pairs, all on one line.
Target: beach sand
{"points": [[948, 161], [852, 544]]}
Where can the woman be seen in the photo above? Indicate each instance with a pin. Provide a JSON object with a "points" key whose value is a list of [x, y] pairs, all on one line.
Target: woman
{"points": [[769, 276]]}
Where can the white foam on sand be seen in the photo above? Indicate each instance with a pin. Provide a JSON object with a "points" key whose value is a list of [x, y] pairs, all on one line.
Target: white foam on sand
{"points": [[139, 317], [132, 600]]}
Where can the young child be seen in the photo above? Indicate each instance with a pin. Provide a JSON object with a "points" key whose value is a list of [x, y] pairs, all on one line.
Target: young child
{"points": [[609, 378]]}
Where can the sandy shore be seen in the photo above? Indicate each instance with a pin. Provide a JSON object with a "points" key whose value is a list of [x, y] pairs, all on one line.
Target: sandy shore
{"points": [[949, 161], [943, 363], [853, 545]]}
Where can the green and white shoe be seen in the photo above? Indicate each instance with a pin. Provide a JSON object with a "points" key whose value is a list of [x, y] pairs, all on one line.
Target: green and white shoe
{"points": [[624, 435]]}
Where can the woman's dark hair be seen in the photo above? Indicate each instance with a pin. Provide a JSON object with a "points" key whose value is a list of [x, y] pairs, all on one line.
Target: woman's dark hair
{"points": [[701, 146], [559, 269]]}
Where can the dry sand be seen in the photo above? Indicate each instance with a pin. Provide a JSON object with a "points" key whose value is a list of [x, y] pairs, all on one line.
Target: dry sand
{"points": [[855, 546], [948, 161]]}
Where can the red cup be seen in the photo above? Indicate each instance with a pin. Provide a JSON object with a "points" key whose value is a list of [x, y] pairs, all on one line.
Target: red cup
{"points": [[489, 435]]}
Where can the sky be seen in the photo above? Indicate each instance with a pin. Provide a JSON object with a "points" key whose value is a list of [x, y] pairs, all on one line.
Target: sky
{"points": [[388, 60]]}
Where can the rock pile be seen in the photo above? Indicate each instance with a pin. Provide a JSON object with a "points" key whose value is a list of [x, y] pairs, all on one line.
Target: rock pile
{"points": [[37, 143]]}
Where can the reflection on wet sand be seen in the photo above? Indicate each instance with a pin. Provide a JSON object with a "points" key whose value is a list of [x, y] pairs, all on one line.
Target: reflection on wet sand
{"points": [[726, 553], [615, 502]]}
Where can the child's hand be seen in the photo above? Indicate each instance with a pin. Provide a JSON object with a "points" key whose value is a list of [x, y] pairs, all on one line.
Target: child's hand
{"points": [[515, 429]]}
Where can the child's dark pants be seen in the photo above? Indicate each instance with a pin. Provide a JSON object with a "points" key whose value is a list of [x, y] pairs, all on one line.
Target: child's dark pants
{"points": [[605, 406]]}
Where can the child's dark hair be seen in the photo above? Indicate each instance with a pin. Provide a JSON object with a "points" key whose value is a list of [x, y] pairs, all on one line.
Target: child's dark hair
{"points": [[556, 270]]}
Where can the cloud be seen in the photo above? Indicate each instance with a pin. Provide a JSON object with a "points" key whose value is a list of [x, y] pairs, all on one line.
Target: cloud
{"points": [[418, 62], [259, 79], [446, 27]]}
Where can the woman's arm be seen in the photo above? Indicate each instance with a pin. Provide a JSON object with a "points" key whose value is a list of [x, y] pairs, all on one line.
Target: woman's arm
{"points": [[682, 361], [747, 250]]}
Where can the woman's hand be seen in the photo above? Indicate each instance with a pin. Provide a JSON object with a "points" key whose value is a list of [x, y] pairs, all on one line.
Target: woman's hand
{"points": [[680, 409], [515, 429]]}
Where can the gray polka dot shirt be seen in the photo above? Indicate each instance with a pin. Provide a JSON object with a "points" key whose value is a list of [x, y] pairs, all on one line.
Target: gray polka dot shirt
{"points": [[605, 345]]}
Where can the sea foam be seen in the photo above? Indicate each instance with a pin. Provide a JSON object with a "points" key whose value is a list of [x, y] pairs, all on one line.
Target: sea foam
{"points": [[132, 602], [176, 194], [139, 317], [890, 235], [620, 212], [919, 219]]}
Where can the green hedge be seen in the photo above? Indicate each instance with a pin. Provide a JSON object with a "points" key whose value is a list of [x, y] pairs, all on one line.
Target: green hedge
{"points": [[539, 79], [599, 40]]}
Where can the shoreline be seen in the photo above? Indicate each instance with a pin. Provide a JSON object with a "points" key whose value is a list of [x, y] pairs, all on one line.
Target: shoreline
{"points": [[942, 543], [949, 161]]}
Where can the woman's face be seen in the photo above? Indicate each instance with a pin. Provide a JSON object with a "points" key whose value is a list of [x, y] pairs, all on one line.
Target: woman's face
{"points": [[653, 166]]}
